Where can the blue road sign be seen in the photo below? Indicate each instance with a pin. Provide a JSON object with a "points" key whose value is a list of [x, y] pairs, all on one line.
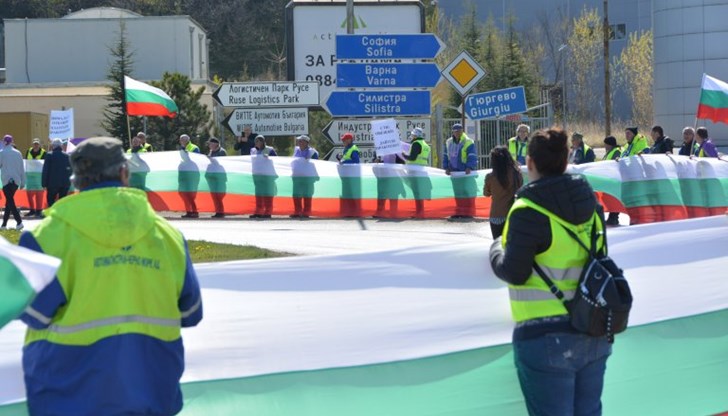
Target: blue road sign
{"points": [[495, 103], [378, 103], [409, 46], [423, 75]]}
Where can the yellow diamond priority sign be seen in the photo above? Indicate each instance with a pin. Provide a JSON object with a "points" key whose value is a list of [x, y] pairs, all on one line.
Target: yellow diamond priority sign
{"points": [[463, 73]]}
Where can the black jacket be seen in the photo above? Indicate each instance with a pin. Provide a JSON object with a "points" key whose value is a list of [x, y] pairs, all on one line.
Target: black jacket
{"points": [[244, 147], [686, 149], [568, 196], [56, 170], [662, 145]]}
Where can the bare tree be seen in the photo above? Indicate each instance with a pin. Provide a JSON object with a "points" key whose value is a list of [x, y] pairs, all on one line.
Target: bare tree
{"points": [[585, 48], [634, 72]]}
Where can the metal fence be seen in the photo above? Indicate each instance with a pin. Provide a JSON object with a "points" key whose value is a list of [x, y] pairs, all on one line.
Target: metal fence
{"points": [[489, 133]]}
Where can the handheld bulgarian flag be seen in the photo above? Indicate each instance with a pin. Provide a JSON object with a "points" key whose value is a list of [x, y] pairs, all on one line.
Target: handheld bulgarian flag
{"points": [[144, 100], [713, 100], [23, 273]]}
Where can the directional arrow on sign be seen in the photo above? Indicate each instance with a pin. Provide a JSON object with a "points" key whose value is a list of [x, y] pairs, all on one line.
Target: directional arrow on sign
{"points": [[421, 75], [407, 46], [366, 153], [269, 121], [378, 103], [268, 94]]}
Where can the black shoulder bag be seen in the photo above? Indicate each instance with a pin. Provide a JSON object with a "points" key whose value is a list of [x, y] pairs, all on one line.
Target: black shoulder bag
{"points": [[603, 299]]}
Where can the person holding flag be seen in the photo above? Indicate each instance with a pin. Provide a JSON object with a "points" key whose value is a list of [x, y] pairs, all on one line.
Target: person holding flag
{"points": [[705, 146], [517, 145], [33, 187], [104, 337]]}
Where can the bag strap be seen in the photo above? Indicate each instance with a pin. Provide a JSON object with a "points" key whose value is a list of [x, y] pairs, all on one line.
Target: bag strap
{"points": [[550, 283], [563, 223]]}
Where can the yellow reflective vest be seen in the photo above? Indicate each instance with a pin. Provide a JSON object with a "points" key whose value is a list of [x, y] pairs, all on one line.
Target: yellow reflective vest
{"points": [[563, 262]]}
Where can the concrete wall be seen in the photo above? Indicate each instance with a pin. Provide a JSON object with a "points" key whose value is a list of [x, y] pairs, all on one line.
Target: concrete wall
{"points": [[690, 39], [24, 126], [77, 49]]}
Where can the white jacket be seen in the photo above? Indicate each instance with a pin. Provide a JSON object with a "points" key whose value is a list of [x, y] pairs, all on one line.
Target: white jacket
{"points": [[12, 166]]}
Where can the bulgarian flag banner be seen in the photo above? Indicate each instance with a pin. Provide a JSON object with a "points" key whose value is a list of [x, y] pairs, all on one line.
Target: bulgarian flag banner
{"points": [[650, 188], [144, 100], [426, 331], [713, 100], [23, 273]]}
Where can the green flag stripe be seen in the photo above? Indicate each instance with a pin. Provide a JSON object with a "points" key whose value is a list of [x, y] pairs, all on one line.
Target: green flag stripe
{"points": [[139, 96], [690, 360], [715, 99], [15, 289]]}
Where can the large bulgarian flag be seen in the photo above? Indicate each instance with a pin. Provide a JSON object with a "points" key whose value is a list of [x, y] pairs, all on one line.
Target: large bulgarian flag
{"points": [[713, 100], [23, 273], [426, 331], [145, 100]]}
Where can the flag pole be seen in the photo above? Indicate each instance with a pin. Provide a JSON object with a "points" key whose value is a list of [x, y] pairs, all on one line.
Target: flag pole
{"points": [[702, 84], [125, 109], [128, 128]]}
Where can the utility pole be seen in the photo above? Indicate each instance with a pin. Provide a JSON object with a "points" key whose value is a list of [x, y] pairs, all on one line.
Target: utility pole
{"points": [[607, 86], [350, 17]]}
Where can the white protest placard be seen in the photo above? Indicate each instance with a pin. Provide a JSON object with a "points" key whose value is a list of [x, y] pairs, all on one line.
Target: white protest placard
{"points": [[61, 124], [386, 137]]}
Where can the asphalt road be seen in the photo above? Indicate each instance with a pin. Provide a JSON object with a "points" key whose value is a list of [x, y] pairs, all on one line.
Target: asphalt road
{"points": [[334, 236], [330, 236]]}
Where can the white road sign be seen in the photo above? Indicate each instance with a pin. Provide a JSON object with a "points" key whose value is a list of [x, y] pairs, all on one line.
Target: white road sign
{"points": [[361, 128], [312, 42], [268, 94], [366, 153], [269, 121]]}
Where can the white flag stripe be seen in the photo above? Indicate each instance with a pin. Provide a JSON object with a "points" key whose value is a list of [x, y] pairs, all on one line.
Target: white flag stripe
{"points": [[132, 84], [38, 269]]}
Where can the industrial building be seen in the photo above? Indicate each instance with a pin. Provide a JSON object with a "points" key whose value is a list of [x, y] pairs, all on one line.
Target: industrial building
{"points": [[52, 64]]}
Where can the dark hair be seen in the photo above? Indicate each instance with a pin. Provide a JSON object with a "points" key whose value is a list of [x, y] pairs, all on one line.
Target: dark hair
{"points": [[702, 132], [549, 151], [659, 130], [503, 164]]}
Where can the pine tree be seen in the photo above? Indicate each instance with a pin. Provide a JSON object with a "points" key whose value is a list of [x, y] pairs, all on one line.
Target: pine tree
{"points": [[193, 118], [468, 38], [515, 70], [492, 57], [115, 122]]}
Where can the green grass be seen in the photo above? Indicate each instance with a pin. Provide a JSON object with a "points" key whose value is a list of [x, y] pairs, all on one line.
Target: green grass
{"points": [[200, 251], [10, 235], [207, 252]]}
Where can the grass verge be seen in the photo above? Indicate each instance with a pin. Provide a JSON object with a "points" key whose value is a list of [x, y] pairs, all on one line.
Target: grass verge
{"points": [[200, 251]]}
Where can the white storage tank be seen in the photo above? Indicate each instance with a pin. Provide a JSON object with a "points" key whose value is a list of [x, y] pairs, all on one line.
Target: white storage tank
{"points": [[691, 38]]}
